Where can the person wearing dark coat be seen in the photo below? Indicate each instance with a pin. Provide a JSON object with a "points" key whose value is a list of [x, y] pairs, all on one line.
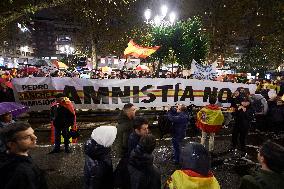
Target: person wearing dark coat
{"points": [[124, 128], [98, 169], [180, 120], [141, 173], [243, 117], [276, 114], [62, 116], [271, 174], [140, 126], [17, 169]]}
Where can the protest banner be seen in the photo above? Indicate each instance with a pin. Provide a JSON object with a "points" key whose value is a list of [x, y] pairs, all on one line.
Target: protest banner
{"points": [[39, 92]]}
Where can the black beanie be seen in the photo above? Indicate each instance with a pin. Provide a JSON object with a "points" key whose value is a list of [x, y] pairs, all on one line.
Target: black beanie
{"points": [[274, 156]]}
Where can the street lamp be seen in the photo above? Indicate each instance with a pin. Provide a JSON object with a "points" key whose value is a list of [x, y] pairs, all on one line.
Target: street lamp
{"points": [[160, 19], [66, 49]]}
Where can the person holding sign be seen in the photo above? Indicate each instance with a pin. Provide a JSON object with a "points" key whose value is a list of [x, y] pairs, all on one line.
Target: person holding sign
{"points": [[209, 120]]}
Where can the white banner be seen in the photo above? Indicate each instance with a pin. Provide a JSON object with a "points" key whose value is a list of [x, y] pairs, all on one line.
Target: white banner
{"points": [[203, 72], [39, 92]]}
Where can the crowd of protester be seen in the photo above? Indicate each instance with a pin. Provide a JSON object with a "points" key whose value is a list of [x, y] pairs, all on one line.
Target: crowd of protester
{"points": [[135, 144]]}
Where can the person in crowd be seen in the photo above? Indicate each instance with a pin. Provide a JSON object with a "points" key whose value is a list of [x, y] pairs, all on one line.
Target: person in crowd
{"points": [[271, 173], [275, 114], [210, 119], [17, 169], [243, 117], [195, 172], [124, 128], [140, 126], [141, 173], [180, 120], [98, 169], [6, 91], [62, 117], [260, 107], [5, 120]]}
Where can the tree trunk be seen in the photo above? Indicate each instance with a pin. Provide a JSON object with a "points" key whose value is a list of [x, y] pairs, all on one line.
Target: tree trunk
{"points": [[158, 67], [94, 54]]}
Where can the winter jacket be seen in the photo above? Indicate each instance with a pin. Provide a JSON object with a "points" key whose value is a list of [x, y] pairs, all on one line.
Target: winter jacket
{"points": [[263, 180], [17, 171], [61, 116], [133, 140], [98, 170], [124, 128], [180, 121], [141, 171], [243, 119], [98, 166]]}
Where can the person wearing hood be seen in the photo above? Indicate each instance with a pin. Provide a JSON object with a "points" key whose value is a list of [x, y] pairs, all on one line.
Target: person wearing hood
{"points": [[271, 173], [195, 172], [180, 121], [5, 120], [141, 173], [98, 169]]}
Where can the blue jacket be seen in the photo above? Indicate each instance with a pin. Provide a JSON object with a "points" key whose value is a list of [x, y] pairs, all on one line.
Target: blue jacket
{"points": [[180, 121]]}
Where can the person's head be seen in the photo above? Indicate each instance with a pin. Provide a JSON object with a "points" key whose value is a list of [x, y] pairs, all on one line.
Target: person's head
{"points": [[195, 157], [271, 157], [6, 118], [104, 135], [147, 143], [19, 138], [140, 126], [181, 108], [60, 97], [212, 100], [245, 102], [129, 109]]}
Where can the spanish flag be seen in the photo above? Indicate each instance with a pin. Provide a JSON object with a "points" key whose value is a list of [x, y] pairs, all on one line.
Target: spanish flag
{"points": [[138, 51], [210, 119], [185, 179]]}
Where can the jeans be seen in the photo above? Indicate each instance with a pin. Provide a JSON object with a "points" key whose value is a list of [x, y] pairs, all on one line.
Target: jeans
{"points": [[211, 140], [177, 142]]}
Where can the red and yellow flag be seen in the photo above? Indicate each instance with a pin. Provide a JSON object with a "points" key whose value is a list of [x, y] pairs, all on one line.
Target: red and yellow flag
{"points": [[210, 119], [138, 51], [184, 179]]}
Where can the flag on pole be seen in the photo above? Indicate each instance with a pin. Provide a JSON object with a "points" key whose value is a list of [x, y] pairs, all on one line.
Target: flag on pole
{"points": [[139, 51]]}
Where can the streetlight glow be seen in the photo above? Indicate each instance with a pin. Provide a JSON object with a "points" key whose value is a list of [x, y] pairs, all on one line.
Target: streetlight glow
{"points": [[172, 17], [157, 20], [164, 10], [147, 14]]}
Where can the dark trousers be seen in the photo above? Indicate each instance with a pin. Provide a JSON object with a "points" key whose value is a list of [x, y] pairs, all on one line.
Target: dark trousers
{"points": [[57, 141], [240, 133], [177, 142]]}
